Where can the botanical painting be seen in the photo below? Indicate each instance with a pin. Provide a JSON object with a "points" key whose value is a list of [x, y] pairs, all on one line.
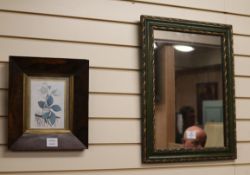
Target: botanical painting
{"points": [[47, 103]]}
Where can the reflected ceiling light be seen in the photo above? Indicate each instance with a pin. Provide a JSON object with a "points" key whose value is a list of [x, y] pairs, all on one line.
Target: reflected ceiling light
{"points": [[183, 48], [155, 46]]}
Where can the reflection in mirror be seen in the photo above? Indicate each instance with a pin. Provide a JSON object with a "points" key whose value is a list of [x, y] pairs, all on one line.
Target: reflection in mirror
{"points": [[188, 103], [188, 90]]}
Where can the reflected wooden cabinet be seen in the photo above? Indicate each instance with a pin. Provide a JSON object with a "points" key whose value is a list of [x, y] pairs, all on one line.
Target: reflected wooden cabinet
{"points": [[165, 100]]}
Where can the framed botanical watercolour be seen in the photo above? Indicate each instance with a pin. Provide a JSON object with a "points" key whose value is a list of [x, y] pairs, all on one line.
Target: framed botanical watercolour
{"points": [[48, 104]]}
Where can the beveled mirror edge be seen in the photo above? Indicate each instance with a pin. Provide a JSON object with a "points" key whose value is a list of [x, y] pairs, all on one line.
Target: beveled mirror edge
{"points": [[149, 154]]}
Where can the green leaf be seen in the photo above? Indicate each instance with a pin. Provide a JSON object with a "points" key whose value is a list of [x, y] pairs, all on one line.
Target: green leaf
{"points": [[41, 104], [56, 108], [45, 115], [50, 100], [52, 118]]}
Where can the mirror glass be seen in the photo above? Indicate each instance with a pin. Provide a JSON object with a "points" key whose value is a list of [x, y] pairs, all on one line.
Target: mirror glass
{"points": [[188, 105], [188, 90]]}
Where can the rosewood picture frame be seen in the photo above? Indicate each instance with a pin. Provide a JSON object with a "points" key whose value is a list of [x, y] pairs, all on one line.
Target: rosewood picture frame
{"points": [[48, 104]]}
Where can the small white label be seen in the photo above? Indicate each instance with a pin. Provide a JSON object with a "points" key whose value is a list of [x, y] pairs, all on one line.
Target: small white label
{"points": [[52, 142], [191, 134]]}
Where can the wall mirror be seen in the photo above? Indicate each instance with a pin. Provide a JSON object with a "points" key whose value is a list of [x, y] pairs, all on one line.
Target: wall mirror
{"points": [[188, 91]]}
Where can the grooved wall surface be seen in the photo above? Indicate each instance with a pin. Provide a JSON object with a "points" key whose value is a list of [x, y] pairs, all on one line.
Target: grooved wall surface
{"points": [[107, 33]]}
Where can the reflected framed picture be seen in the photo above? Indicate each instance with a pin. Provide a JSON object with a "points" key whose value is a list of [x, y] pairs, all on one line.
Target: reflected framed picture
{"points": [[205, 91], [48, 104]]}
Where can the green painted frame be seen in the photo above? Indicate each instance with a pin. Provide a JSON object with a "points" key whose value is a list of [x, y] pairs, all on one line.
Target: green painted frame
{"points": [[149, 153]]}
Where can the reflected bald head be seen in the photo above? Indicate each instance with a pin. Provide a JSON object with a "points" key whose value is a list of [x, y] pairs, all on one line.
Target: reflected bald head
{"points": [[194, 137]]}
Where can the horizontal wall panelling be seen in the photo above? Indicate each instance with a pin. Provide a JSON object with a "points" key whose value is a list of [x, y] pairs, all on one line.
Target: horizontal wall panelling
{"points": [[242, 169], [241, 66], [77, 30], [225, 6], [74, 29], [103, 157], [240, 44], [99, 55], [102, 131], [242, 108], [114, 81], [216, 170], [100, 105], [118, 12], [243, 130], [242, 86], [243, 153], [101, 80], [114, 106], [109, 131], [136, 9]]}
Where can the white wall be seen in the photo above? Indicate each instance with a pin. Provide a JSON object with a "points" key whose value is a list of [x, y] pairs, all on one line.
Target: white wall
{"points": [[107, 33]]}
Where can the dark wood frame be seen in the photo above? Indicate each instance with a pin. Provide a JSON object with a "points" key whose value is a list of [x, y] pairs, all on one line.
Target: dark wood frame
{"points": [[78, 71], [149, 153]]}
